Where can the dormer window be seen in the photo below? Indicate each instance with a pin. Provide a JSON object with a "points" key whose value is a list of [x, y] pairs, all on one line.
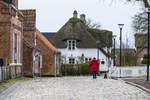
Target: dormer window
{"points": [[71, 44]]}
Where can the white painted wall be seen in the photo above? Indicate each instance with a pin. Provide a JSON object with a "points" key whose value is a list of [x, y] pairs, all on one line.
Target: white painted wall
{"points": [[126, 71], [88, 53]]}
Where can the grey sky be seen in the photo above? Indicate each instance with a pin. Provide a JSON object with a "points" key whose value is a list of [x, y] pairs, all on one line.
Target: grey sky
{"points": [[53, 14]]}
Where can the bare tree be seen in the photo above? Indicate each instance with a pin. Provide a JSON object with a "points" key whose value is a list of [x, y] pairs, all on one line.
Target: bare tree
{"points": [[140, 22], [91, 24], [146, 3]]}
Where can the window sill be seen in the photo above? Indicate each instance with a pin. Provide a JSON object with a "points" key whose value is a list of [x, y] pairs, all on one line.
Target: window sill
{"points": [[15, 64]]}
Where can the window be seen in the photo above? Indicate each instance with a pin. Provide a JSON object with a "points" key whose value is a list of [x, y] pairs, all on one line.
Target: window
{"points": [[18, 49], [90, 59], [103, 62], [71, 44], [86, 59], [71, 61], [13, 44]]}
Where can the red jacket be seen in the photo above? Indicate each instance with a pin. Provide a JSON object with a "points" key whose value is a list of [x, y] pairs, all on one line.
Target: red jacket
{"points": [[94, 64]]}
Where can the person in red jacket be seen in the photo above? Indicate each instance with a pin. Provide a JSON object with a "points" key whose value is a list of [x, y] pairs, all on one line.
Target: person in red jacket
{"points": [[94, 64]]}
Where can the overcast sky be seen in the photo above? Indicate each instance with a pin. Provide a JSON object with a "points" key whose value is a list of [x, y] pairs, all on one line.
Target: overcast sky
{"points": [[53, 14]]}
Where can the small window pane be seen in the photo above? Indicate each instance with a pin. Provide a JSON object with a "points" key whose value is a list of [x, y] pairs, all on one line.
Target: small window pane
{"points": [[102, 62], [86, 59], [89, 59]]}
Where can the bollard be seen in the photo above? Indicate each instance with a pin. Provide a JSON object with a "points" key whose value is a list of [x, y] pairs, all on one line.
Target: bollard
{"points": [[105, 76]]}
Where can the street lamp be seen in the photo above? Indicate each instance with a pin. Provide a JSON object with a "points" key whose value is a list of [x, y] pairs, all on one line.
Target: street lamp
{"points": [[114, 37], [98, 42], [148, 12], [120, 26]]}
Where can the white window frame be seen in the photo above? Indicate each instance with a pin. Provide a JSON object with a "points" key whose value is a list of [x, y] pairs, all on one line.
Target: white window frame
{"points": [[18, 45], [71, 60], [16, 56], [71, 44], [13, 60]]}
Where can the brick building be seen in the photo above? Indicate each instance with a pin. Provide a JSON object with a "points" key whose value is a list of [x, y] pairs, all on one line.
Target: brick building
{"points": [[40, 56], [11, 34], [141, 47]]}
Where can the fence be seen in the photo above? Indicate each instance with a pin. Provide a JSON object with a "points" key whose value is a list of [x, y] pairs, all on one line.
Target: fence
{"points": [[133, 71], [4, 73]]}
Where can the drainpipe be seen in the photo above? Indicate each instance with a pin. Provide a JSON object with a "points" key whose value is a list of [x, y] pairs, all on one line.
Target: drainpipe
{"points": [[41, 59], [55, 63], [11, 39], [33, 58], [22, 49]]}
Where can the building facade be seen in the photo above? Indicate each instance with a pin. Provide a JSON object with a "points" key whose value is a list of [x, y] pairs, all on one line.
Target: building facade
{"points": [[40, 56], [141, 47], [80, 44], [11, 36]]}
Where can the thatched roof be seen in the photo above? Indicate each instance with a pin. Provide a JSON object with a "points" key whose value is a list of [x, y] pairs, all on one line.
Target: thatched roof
{"points": [[104, 36], [75, 29], [140, 40]]}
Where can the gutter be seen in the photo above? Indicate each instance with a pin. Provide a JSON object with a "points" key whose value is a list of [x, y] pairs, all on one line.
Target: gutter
{"points": [[16, 10]]}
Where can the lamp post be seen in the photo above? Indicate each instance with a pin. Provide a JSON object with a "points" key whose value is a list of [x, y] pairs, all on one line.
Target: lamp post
{"points": [[148, 12], [114, 37], [120, 26]]}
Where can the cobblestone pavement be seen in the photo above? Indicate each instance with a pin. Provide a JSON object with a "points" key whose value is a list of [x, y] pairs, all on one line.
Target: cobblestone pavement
{"points": [[73, 88]]}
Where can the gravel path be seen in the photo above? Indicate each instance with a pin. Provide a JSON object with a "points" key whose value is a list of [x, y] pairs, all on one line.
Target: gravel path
{"points": [[73, 88]]}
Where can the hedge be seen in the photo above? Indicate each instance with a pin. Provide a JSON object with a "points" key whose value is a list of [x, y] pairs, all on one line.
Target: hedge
{"points": [[76, 69]]}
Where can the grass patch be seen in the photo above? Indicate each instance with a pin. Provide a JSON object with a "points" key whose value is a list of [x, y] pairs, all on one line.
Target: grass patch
{"points": [[14, 80]]}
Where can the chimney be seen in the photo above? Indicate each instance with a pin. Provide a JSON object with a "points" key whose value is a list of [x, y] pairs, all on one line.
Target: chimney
{"points": [[82, 17], [75, 14]]}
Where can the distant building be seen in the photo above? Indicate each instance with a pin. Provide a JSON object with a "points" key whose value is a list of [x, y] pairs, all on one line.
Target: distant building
{"points": [[79, 44], [141, 47], [11, 36], [124, 50]]}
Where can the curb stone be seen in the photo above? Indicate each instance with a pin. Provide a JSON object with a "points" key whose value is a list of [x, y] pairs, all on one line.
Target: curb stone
{"points": [[138, 86]]}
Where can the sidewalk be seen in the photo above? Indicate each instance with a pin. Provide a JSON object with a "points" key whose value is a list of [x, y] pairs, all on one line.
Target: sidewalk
{"points": [[140, 83]]}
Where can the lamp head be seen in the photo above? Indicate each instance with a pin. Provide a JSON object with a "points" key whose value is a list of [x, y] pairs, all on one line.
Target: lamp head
{"points": [[114, 36], [120, 26], [148, 9]]}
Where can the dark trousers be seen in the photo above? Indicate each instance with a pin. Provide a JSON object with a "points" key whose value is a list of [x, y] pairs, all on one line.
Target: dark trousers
{"points": [[94, 74]]}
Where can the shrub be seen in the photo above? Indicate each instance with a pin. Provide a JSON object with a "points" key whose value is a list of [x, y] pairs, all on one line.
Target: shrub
{"points": [[129, 59], [76, 69]]}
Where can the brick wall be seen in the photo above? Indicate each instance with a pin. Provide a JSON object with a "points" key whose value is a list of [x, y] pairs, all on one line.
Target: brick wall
{"points": [[5, 34], [27, 59], [48, 57], [141, 55]]}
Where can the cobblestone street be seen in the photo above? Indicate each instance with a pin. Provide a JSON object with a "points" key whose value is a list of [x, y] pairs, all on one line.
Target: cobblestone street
{"points": [[73, 88]]}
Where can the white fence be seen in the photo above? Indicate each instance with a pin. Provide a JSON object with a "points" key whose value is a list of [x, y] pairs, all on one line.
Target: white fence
{"points": [[4, 73], [126, 71]]}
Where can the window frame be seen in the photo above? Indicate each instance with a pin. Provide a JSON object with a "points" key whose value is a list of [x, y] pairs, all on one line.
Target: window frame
{"points": [[71, 60], [71, 44]]}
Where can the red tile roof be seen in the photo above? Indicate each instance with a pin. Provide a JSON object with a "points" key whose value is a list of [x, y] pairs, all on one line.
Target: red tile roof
{"points": [[46, 42]]}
